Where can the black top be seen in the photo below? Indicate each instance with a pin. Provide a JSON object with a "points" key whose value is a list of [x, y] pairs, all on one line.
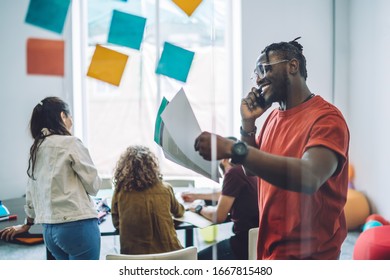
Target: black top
{"points": [[244, 212]]}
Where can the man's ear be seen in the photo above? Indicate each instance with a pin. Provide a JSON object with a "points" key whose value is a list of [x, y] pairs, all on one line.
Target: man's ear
{"points": [[293, 66]]}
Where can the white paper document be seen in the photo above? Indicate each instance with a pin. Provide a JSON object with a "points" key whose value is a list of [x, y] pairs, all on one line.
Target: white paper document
{"points": [[194, 219], [176, 131]]}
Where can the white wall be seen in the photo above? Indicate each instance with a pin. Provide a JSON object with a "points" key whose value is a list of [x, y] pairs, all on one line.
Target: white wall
{"points": [[369, 100], [21, 92], [265, 22]]}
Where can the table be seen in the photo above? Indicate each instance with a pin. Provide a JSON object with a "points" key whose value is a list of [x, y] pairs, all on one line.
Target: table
{"points": [[16, 206]]}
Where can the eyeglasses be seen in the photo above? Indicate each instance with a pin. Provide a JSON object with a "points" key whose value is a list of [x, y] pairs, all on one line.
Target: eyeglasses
{"points": [[262, 69]]}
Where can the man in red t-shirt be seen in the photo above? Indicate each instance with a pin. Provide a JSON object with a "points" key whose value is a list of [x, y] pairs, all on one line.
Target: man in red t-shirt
{"points": [[300, 158]]}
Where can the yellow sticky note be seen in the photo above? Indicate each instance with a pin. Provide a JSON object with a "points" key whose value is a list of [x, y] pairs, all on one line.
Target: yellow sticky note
{"points": [[188, 6], [107, 65]]}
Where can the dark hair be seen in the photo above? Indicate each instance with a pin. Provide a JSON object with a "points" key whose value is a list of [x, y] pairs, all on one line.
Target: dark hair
{"points": [[289, 50], [47, 114], [137, 169]]}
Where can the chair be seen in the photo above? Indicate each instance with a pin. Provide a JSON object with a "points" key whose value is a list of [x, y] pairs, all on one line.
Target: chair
{"points": [[252, 243], [373, 244], [106, 183], [181, 183], [189, 253]]}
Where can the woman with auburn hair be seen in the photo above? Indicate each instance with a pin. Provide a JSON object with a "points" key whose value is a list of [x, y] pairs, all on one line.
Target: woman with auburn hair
{"points": [[143, 205]]}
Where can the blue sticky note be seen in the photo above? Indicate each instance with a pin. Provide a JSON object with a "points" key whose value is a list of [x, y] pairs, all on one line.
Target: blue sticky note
{"points": [[159, 122], [48, 14], [175, 62], [126, 30]]}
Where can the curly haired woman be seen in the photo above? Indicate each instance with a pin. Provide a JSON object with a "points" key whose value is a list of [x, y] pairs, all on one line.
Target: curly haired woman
{"points": [[143, 205]]}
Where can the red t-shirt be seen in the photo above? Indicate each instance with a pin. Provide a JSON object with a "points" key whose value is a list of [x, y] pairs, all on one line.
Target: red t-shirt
{"points": [[296, 225]]}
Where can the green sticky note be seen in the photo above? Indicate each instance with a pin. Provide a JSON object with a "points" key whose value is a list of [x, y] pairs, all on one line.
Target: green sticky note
{"points": [[48, 14], [126, 30], [159, 123], [175, 62]]}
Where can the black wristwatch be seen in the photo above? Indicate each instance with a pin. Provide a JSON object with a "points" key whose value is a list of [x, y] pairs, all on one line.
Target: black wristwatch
{"points": [[239, 152], [198, 208], [27, 222]]}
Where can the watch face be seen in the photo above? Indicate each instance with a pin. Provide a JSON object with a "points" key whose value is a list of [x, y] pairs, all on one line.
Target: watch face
{"points": [[198, 208], [240, 148], [239, 152]]}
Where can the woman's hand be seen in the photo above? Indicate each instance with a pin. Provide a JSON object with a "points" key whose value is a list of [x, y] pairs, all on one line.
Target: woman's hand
{"points": [[9, 232]]}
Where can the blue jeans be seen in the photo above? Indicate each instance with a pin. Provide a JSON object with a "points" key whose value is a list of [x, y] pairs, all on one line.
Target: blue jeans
{"points": [[78, 240]]}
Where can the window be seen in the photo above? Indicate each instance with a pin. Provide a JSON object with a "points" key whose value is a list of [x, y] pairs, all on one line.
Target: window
{"points": [[125, 115]]}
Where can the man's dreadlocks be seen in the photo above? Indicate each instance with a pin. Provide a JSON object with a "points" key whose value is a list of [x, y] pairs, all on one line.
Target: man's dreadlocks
{"points": [[289, 50]]}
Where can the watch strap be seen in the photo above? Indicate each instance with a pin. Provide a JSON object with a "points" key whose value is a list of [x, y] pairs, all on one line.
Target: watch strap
{"points": [[236, 157], [28, 222], [248, 134], [198, 208]]}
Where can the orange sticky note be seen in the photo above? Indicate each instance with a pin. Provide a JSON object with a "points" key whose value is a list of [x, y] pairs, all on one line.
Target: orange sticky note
{"points": [[188, 6], [45, 57], [107, 65]]}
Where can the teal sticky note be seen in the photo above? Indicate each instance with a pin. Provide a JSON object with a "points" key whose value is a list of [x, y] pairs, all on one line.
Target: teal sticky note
{"points": [[175, 62], [126, 30], [48, 14], [159, 123]]}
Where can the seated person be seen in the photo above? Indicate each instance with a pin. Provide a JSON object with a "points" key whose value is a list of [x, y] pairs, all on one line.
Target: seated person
{"points": [[143, 205], [239, 198]]}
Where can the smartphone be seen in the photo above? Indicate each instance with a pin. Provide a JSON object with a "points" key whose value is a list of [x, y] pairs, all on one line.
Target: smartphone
{"points": [[259, 98]]}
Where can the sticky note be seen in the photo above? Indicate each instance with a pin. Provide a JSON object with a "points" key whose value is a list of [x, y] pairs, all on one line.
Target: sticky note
{"points": [[159, 123], [188, 6], [107, 65], [45, 57], [126, 30], [48, 14], [175, 62]]}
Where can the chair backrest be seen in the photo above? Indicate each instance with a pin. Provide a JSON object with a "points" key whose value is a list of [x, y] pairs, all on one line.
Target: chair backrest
{"points": [[106, 183], [181, 183], [252, 243], [189, 253]]}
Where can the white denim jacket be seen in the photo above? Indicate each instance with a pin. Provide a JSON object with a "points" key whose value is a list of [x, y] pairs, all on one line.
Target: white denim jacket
{"points": [[65, 177]]}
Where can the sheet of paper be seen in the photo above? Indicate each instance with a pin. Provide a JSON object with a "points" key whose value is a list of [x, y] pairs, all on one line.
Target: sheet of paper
{"points": [[126, 30], [107, 65], [183, 128], [180, 159], [194, 219], [45, 57], [188, 6], [173, 153], [175, 62], [168, 145], [48, 14]]}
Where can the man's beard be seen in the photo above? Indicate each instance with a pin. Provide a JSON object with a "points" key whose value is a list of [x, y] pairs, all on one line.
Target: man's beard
{"points": [[279, 89]]}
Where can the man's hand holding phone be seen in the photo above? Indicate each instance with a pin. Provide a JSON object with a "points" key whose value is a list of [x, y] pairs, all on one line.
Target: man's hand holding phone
{"points": [[253, 105]]}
